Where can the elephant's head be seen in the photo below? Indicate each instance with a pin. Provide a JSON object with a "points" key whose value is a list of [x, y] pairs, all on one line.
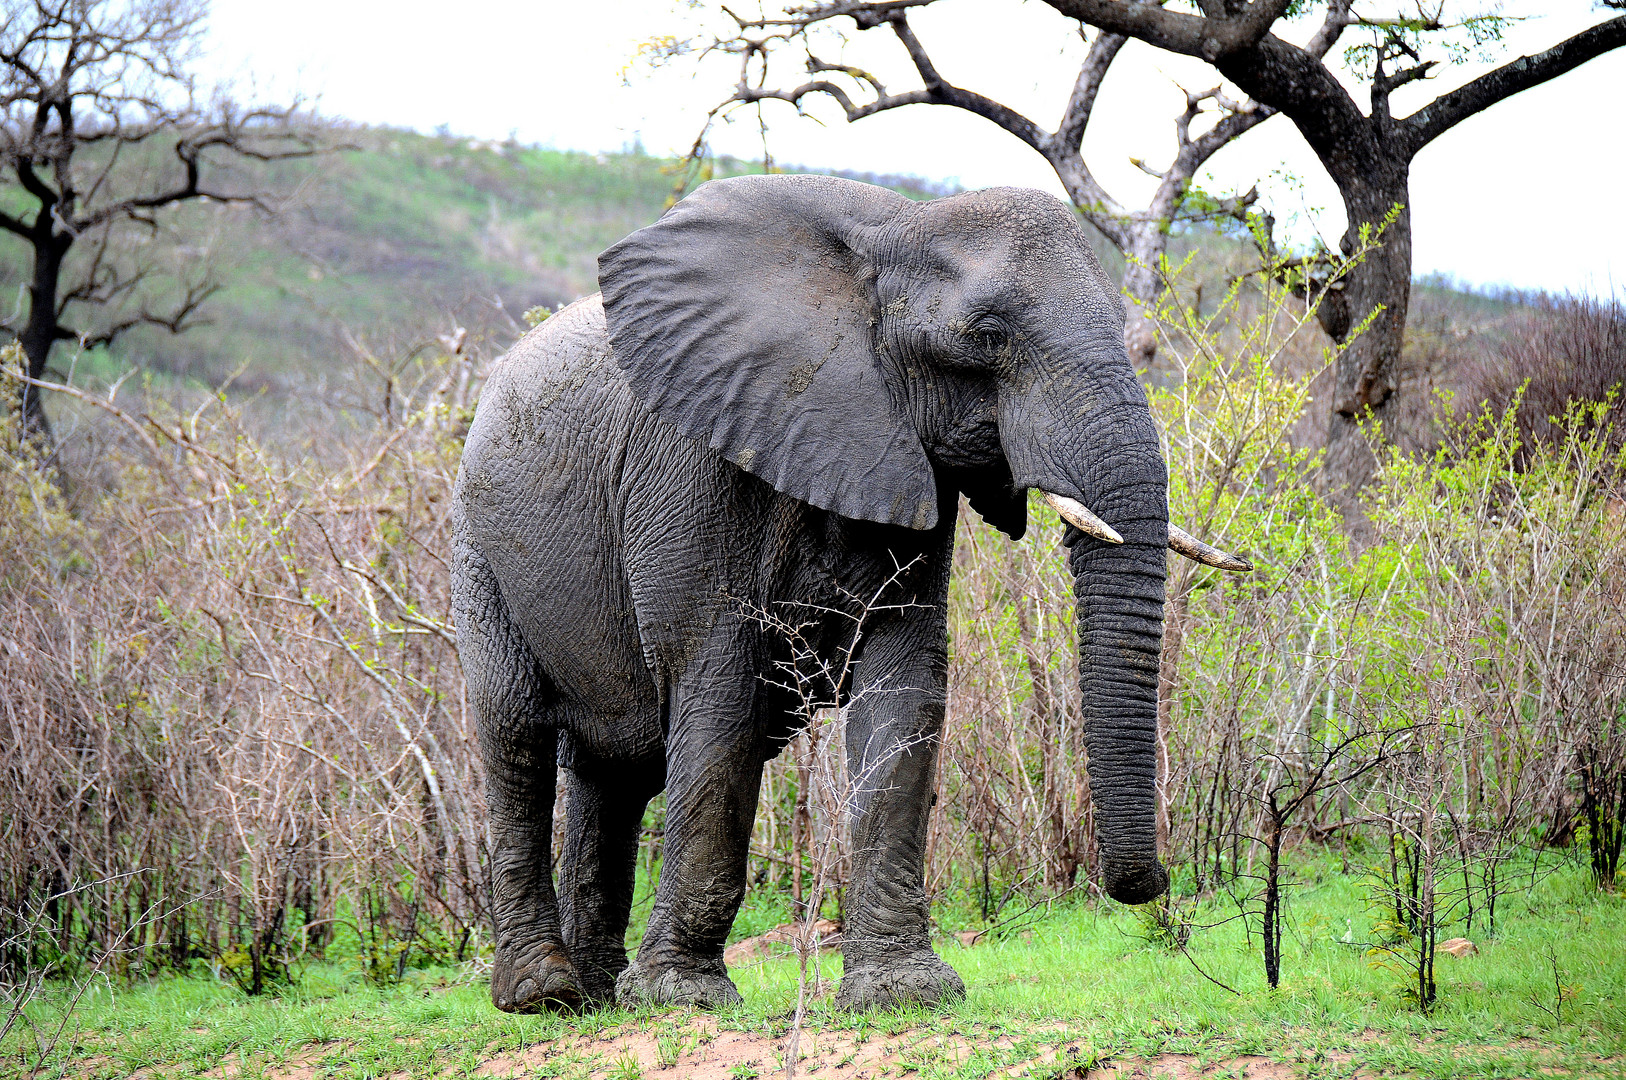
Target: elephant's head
{"points": [[854, 348]]}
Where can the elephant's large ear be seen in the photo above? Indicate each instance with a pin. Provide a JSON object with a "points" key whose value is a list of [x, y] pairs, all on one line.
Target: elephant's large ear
{"points": [[747, 318]]}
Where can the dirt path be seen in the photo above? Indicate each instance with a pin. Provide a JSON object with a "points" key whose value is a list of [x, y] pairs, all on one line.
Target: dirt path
{"points": [[698, 1047], [702, 1051]]}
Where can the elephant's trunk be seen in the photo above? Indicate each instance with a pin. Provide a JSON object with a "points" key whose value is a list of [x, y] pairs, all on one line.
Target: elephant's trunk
{"points": [[1119, 591], [1081, 431]]}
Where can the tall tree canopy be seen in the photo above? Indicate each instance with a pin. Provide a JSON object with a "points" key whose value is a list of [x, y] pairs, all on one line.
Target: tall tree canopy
{"points": [[1366, 151]]}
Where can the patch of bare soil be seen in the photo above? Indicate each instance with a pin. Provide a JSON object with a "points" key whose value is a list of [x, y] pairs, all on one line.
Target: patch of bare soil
{"points": [[299, 1065], [700, 1051], [695, 1047]]}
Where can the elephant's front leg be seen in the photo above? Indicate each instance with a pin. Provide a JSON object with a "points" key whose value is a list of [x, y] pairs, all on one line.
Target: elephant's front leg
{"points": [[894, 723], [713, 774]]}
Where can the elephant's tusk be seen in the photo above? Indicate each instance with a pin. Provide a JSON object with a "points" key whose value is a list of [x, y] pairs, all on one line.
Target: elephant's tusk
{"points": [[1207, 554], [1083, 518]]}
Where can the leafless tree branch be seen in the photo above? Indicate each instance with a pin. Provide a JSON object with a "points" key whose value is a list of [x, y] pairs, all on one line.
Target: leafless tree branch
{"points": [[92, 93], [1448, 110]]}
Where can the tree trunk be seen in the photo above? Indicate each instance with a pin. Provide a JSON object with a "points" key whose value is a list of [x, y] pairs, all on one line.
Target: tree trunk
{"points": [[1271, 928], [1366, 372], [1370, 162], [1143, 288], [40, 331]]}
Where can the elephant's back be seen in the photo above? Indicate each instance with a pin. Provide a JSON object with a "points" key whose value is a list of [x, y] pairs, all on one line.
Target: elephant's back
{"points": [[553, 415], [538, 493], [535, 391]]}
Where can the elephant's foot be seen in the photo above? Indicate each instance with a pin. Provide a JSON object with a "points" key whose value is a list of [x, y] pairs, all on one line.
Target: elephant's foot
{"points": [[538, 979], [598, 969], [675, 986], [896, 981]]}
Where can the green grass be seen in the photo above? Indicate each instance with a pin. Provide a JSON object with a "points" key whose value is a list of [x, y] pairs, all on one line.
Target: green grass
{"points": [[1079, 984]]}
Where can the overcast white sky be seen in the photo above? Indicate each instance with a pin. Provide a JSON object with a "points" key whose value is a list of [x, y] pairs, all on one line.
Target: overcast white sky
{"points": [[1526, 194]]}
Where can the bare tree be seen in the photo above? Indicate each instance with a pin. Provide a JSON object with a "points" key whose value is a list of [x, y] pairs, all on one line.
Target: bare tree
{"points": [[1367, 154], [1141, 235], [93, 95]]}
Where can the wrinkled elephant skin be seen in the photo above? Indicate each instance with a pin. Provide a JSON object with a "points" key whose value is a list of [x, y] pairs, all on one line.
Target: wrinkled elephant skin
{"points": [[777, 399]]}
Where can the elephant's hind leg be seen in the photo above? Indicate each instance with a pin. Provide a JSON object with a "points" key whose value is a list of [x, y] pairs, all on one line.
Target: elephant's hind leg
{"points": [[532, 969], [604, 808]]}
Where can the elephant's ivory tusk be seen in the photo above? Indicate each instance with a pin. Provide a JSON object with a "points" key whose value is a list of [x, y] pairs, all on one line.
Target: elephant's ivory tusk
{"points": [[1083, 518], [1207, 554]]}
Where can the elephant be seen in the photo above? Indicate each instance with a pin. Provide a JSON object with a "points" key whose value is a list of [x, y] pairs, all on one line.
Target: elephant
{"points": [[777, 398]]}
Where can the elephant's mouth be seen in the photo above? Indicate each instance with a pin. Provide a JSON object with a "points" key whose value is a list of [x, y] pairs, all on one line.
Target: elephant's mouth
{"points": [[1086, 521]]}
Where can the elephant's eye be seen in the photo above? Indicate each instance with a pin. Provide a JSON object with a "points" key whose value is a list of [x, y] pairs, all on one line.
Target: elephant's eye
{"points": [[990, 339]]}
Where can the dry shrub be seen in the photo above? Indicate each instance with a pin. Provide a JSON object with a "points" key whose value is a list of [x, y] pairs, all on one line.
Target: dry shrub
{"points": [[236, 670], [232, 669], [1555, 352], [1014, 788]]}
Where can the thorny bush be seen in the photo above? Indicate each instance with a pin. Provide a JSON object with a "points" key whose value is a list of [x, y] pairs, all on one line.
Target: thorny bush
{"points": [[235, 669], [234, 666]]}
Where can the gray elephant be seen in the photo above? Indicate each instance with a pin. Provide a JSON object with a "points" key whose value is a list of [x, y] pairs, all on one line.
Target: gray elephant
{"points": [[778, 397]]}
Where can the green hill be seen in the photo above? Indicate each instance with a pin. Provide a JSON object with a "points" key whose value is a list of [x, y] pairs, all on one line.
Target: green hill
{"points": [[376, 250], [384, 246]]}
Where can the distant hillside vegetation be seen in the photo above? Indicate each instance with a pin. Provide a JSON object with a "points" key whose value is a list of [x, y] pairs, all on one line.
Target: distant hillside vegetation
{"points": [[378, 249], [388, 244]]}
